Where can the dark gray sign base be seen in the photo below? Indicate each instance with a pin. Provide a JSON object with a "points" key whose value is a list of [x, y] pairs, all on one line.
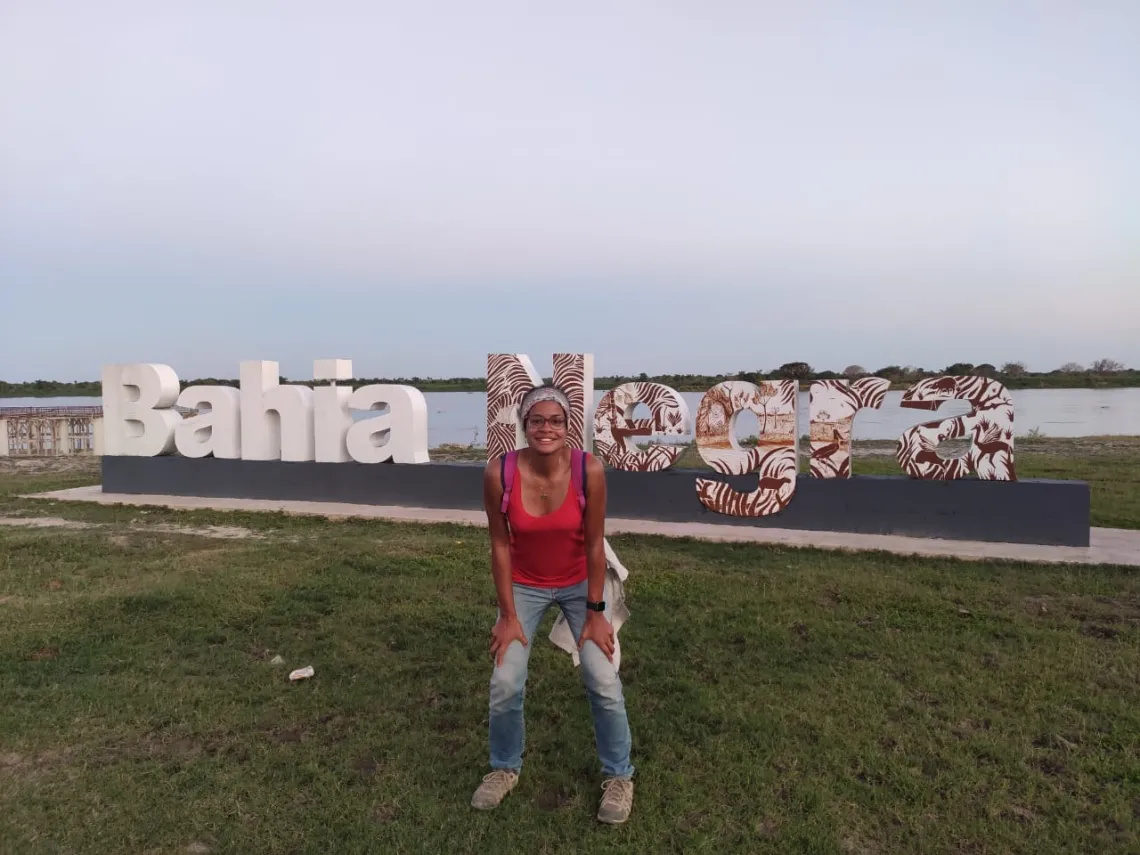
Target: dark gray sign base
{"points": [[1031, 511]]}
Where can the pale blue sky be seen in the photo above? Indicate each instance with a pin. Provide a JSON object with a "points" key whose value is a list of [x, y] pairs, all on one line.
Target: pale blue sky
{"points": [[702, 186]]}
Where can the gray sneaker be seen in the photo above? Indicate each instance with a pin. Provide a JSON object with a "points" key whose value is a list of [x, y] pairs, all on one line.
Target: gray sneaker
{"points": [[617, 800], [494, 789]]}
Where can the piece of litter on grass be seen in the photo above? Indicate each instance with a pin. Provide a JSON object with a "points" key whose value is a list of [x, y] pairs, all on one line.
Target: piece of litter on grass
{"points": [[277, 660], [302, 673]]}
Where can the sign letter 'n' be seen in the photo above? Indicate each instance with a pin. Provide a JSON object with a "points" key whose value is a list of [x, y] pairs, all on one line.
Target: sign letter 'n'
{"points": [[512, 375]]}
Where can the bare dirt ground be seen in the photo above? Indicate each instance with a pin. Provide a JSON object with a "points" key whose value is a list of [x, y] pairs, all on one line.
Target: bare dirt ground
{"points": [[219, 532], [50, 465], [1080, 446]]}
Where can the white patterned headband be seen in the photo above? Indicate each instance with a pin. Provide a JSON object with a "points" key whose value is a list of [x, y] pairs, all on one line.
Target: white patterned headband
{"points": [[540, 394]]}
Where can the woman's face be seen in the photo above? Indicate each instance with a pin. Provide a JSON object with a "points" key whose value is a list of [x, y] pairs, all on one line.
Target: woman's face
{"points": [[545, 427]]}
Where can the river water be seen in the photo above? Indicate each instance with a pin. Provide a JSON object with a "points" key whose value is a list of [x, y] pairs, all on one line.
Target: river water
{"points": [[460, 417]]}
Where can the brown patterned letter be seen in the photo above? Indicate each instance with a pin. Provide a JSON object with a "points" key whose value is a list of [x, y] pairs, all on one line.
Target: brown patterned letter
{"points": [[834, 404], [614, 425], [512, 375], [989, 425], [774, 403]]}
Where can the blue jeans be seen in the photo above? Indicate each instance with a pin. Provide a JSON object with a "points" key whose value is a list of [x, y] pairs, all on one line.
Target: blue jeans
{"points": [[508, 683]]}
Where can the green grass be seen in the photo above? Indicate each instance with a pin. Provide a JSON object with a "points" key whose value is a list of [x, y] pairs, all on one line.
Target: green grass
{"points": [[781, 700]]}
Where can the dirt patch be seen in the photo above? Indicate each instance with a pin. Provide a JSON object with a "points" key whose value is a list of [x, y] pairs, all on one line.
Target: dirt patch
{"points": [[1022, 814], [853, 844], [554, 799], [45, 522], [1079, 445], [40, 465], [366, 766], [968, 727], [153, 746], [1049, 766], [1084, 446], [222, 532], [1092, 630], [452, 452], [27, 767], [766, 828], [8, 761], [384, 814]]}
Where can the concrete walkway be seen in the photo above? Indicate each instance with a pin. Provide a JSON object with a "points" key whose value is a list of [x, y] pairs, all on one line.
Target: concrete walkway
{"points": [[1107, 545]]}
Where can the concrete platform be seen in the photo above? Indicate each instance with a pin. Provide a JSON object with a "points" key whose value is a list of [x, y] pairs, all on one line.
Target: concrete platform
{"points": [[1040, 511], [1107, 546]]}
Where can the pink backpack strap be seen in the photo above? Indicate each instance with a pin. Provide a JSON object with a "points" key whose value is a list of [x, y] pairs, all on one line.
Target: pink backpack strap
{"points": [[509, 467]]}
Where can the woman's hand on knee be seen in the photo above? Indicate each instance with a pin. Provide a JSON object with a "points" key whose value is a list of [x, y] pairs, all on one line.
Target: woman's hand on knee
{"points": [[503, 633], [600, 631]]}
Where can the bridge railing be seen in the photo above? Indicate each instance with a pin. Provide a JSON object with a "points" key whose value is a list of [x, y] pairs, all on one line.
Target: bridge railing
{"points": [[51, 431]]}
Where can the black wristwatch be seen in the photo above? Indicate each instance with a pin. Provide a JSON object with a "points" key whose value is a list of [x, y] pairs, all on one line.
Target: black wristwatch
{"points": [[597, 607]]}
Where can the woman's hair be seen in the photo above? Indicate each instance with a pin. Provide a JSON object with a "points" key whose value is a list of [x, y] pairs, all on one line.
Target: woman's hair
{"points": [[543, 393]]}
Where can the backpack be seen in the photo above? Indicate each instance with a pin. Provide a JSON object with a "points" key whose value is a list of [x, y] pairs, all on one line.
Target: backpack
{"points": [[509, 466]]}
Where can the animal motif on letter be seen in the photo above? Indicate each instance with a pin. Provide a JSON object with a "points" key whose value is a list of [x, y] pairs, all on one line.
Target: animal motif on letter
{"points": [[510, 376], [834, 404], [774, 457], [614, 428], [989, 425]]}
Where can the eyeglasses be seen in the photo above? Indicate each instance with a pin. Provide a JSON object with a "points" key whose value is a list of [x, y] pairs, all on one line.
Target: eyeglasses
{"points": [[536, 422]]}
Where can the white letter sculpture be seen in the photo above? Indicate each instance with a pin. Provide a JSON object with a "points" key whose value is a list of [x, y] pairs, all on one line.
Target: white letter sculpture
{"points": [[276, 420], [774, 403], [138, 421], [989, 425], [332, 418], [833, 405], [400, 435], [217, 431], [614, 426], [512, 375]]}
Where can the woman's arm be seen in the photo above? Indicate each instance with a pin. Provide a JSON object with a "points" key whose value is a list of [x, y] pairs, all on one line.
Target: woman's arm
{"points": [[500, 538], [598, 629], [595, 529], [507, 628]]}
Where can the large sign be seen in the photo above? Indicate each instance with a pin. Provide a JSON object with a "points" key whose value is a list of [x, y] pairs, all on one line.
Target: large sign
{"points": [[262, 419], [266, 420]]}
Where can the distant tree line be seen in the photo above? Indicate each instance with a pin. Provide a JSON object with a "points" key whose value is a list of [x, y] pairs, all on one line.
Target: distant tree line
{"points": [[1104, 373], [51, 389]]}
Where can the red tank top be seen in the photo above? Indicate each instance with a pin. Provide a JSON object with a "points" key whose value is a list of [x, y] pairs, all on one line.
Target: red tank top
{"points": [[547, 551]]}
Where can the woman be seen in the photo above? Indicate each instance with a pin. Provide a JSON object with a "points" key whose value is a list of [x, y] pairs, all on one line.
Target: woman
{"points": [[546, 550]]}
